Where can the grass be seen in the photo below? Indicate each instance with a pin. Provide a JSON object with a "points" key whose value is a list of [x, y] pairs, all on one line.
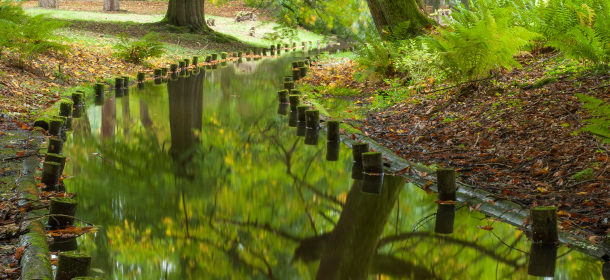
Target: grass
{"points": [[224, 25]]}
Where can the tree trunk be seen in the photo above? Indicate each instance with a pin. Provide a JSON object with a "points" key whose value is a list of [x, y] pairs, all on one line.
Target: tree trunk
{"points": [[398, 19], [187, 13], [111, 5], [47, 4]]}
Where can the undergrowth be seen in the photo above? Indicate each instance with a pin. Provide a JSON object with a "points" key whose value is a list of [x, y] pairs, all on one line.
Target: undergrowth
{"points": [[137, 51]]}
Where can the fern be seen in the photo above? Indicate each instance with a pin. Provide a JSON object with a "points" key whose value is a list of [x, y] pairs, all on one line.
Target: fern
{"points": [[480, 40], [599, 124], [137, 51]]}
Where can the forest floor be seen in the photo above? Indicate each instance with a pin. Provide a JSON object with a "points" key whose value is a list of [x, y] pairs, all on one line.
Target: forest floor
{"points": [[516, 135]]}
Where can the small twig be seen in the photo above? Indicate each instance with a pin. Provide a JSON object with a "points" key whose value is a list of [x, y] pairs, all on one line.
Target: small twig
{"points": [[18, 157]]}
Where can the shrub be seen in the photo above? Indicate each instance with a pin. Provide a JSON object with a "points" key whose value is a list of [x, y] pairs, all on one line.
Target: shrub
{"points": [[24, 36], [417, 60], [137, 51], [599, 124]]}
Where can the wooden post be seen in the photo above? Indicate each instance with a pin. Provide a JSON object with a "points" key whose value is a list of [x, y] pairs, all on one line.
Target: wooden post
{"points": [[264, 52], [187, 62], [288, 85], [214, 56], [195, 61], [282, 109], [288, 79], [292, 118], [77, 98], [332, 131], [372, 167], [311, 136], [57, 158], [55, 145], [295, 92], [141, 77], [63, 244], [240, 54], [294, 102], [295, 64], [332, 150], [125, 81], [72, 264], [208, 58], [50, 175], [99, 89], [301, 112], [223, 55], [173, 68], [445, 178], [65, 108], [157, 73], [163, 71], [55, 126], [64, 208], [181, 65], [357, 172], [358, 149], [544, 224], [118, 83], [312, 118], [283, 96], [296, 74], [302, 71], [99, 100], [445, 217], [542, 260]]}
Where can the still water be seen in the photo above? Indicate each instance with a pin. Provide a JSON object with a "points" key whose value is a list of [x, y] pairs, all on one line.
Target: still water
{"points": [[202, 177]]}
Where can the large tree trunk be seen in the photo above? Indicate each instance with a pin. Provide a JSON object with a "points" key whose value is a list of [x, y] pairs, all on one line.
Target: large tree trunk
{"points": [[187, 13], [399, 18], [47, 4], [111, 5]]}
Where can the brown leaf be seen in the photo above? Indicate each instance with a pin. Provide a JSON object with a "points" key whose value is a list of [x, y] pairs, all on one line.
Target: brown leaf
{"points": [[19, 252]]}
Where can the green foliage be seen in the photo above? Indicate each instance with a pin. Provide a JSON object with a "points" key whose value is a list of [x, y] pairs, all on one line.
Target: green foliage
{"points": [[578, 28], [137, 51], [395, 93], [599, 124], [25, 37], [417, 60], [480, 40], [375, 57], [283, 33], [582, 175]]}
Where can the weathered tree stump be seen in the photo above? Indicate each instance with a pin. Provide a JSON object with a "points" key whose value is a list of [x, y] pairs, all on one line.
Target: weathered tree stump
{"points": [[358, 149], [64, 209], [72, 264], [312, 118], [445, 178], [544, 224]]}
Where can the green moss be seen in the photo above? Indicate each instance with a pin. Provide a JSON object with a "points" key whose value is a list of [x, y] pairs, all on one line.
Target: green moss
{"points": [[583, 175]]}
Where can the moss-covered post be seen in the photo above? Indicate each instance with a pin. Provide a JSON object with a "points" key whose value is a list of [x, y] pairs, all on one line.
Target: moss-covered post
{"points": [[372, 167], [542, 260], [295, 64], [292, 118], [50, 175], [72, 264], [445, 217], [288, 85], [283, 96], [296, 74], [195, 61], [55, 145], [332, 131], [295, 92], [65, 108], [181, 65], [61, 159], [125, 81], [301, 128], [240, 54], [312, 118], [173, 68], [288, 79], [214, 56], [141, 77], [157, 73], [118, 83], [61, 212], [78, 98], [99, 89], [294, 102], [302, 71], [311, 136], [332, 150], [282, 108], [358, 149], [163, 71], [223, 55], [301, 112], [55, 126], [187, 62], [544, 224], [208, 58], [445, 179]]}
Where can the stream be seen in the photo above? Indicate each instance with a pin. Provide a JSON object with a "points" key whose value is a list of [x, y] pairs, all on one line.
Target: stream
{"points": [[202, 177]]}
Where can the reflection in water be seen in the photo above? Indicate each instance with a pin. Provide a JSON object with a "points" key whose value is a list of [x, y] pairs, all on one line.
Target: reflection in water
{"points": [[311, 136], [445, 215], [200, 179], [542, 260]]}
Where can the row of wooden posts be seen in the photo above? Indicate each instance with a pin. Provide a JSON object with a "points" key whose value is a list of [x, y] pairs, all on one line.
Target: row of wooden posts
{"points": [[543, 218], [62, 210]]}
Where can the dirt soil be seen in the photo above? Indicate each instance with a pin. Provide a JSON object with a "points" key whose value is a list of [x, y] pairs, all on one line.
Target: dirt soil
{"points": [[517, 142], [228, 9]]}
